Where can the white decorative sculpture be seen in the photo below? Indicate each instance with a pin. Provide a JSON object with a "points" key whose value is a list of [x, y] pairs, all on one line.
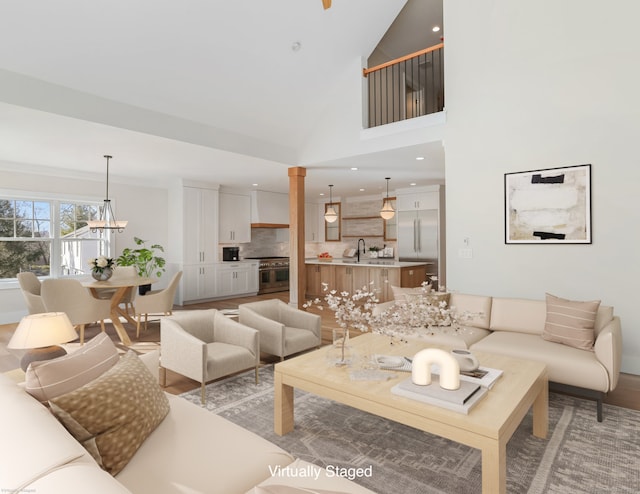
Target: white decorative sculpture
{"points": [[466, 360], [449, 368]]}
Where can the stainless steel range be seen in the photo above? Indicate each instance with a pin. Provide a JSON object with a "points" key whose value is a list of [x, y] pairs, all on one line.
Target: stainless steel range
{"points": [[273, 274]]}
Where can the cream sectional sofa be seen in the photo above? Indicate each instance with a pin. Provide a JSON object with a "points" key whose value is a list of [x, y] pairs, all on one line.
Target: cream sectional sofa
{"points": [[190, 451], [514, 327]]}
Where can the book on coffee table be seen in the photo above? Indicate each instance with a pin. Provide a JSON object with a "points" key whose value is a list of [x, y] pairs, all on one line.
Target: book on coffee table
{"points": [[460, 400], [484, 376]]}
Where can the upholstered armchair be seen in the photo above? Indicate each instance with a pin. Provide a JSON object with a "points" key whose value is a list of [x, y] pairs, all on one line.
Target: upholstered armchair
{"points": [[284, 330], [156, 302], [31, 286], [204, 345]]}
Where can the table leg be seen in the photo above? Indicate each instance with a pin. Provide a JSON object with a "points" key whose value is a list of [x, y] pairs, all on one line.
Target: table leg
{"points": [[541, 411], [116, 312], [494, 468], [282, 406]]}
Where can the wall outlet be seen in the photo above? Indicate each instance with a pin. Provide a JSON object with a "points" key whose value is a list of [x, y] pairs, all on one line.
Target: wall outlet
{"points": [[465, 253]]}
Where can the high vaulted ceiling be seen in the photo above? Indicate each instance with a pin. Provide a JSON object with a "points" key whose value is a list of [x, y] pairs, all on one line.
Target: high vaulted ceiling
{"points": [[223, 91]]}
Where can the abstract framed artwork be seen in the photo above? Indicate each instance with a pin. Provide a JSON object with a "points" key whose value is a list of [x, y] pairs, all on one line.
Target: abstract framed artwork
{"points": [[551, 206]]}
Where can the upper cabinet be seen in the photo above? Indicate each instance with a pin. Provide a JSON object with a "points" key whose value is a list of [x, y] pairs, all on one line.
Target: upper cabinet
{"points": [[312, 223], [235, 218], [415, 201], [269, 209]]}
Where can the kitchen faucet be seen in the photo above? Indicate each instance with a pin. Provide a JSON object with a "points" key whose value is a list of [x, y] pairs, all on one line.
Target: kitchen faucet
{"points": [[358, 248]]}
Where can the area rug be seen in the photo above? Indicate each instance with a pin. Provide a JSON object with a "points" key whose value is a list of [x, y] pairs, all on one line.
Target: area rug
{"points": [[580, 455]]}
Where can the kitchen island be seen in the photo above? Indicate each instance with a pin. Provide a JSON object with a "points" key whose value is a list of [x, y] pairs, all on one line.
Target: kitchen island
{"points": [[347, 274]]}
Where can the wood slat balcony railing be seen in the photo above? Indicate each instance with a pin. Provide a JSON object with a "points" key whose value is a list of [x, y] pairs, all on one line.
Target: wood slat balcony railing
{"points": [[407, 87]]}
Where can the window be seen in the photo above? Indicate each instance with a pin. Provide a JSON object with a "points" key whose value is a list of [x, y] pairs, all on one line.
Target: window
{"points": [[48, 237]]}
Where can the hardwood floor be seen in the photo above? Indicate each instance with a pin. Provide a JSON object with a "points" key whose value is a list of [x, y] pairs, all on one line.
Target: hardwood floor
{"points": [[626, 394]]}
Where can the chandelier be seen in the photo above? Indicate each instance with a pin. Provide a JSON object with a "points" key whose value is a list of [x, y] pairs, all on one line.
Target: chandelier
{"points": [[107, 219]]}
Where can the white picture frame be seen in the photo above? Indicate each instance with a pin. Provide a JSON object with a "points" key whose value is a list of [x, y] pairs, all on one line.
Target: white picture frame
{"points": [[548, 206]]}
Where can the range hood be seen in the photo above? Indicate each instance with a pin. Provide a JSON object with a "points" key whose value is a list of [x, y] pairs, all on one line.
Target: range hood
{"points": [[269, 209]]}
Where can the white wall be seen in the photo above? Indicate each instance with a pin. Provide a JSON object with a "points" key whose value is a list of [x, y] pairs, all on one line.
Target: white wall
{"points": [[541, 84], [340, 131], [144, 207]]}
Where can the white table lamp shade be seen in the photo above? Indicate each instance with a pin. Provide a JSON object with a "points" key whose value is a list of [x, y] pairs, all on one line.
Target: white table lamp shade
{"points": [[43, 330]]}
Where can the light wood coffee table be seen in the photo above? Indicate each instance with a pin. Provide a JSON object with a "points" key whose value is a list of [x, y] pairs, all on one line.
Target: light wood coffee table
{"points": [[488, 427]]}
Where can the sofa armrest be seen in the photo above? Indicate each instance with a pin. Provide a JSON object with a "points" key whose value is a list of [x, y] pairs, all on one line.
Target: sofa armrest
{"points": [[180, 351], [271, 332], [296, 318], [232, 332], [608, 350]]}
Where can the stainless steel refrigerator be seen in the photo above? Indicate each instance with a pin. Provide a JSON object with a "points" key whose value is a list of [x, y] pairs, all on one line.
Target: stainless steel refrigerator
{"points": [[418, 240]]}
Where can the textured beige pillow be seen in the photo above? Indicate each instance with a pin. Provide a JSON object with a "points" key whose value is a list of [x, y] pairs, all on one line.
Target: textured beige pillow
{"points": [[113, 415], [570, 323], [50, 378]]}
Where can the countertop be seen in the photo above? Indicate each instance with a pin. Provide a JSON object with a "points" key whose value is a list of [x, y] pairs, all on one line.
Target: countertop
{"points": [[367, 261]]}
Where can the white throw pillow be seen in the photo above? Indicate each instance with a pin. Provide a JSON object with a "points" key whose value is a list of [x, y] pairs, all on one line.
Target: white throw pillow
{"points": [[47, 379]]}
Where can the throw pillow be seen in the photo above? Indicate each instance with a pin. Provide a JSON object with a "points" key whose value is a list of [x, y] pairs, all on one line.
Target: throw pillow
{"points": [[47, 379], [113, 415], [570, 322]]}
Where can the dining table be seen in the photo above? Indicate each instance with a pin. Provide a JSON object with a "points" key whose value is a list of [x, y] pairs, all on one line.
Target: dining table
{"points": [[121, 286]]}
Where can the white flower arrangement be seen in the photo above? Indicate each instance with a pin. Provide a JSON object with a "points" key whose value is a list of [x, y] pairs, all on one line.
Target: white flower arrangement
{"points": [[351, 311], [424, 314], [99, 264]]}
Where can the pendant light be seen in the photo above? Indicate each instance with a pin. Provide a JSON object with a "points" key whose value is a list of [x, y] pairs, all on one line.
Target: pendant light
{"points": [[330, 214], [387, 210], [107, 219]]}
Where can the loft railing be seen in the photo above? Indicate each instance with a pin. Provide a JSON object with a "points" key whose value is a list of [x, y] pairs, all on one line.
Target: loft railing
{"points": [[407, 87]]}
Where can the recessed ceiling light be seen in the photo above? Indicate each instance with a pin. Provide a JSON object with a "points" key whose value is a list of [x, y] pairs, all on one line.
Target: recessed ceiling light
{"points": [[361, 190], [354, 168], [255, 185], [420, 158], [321, 193], [435, 29], [413, 183]]}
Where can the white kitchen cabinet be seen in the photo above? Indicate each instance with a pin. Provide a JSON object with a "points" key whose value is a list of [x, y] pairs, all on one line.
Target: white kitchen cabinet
{"points": [[235, 218], [312, 223], [200, 224], [236, 278], [199, 282], [417, 201], [200, 242]]}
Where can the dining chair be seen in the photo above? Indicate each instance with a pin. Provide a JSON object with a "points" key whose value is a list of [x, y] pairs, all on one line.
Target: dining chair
{"points": [[31, 288], [204, 345], [284, 330], [69, 296], [118, 273], [156, 302]]}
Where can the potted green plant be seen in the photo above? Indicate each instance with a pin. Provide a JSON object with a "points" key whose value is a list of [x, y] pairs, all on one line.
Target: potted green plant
{"points": [[146, 260]]}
